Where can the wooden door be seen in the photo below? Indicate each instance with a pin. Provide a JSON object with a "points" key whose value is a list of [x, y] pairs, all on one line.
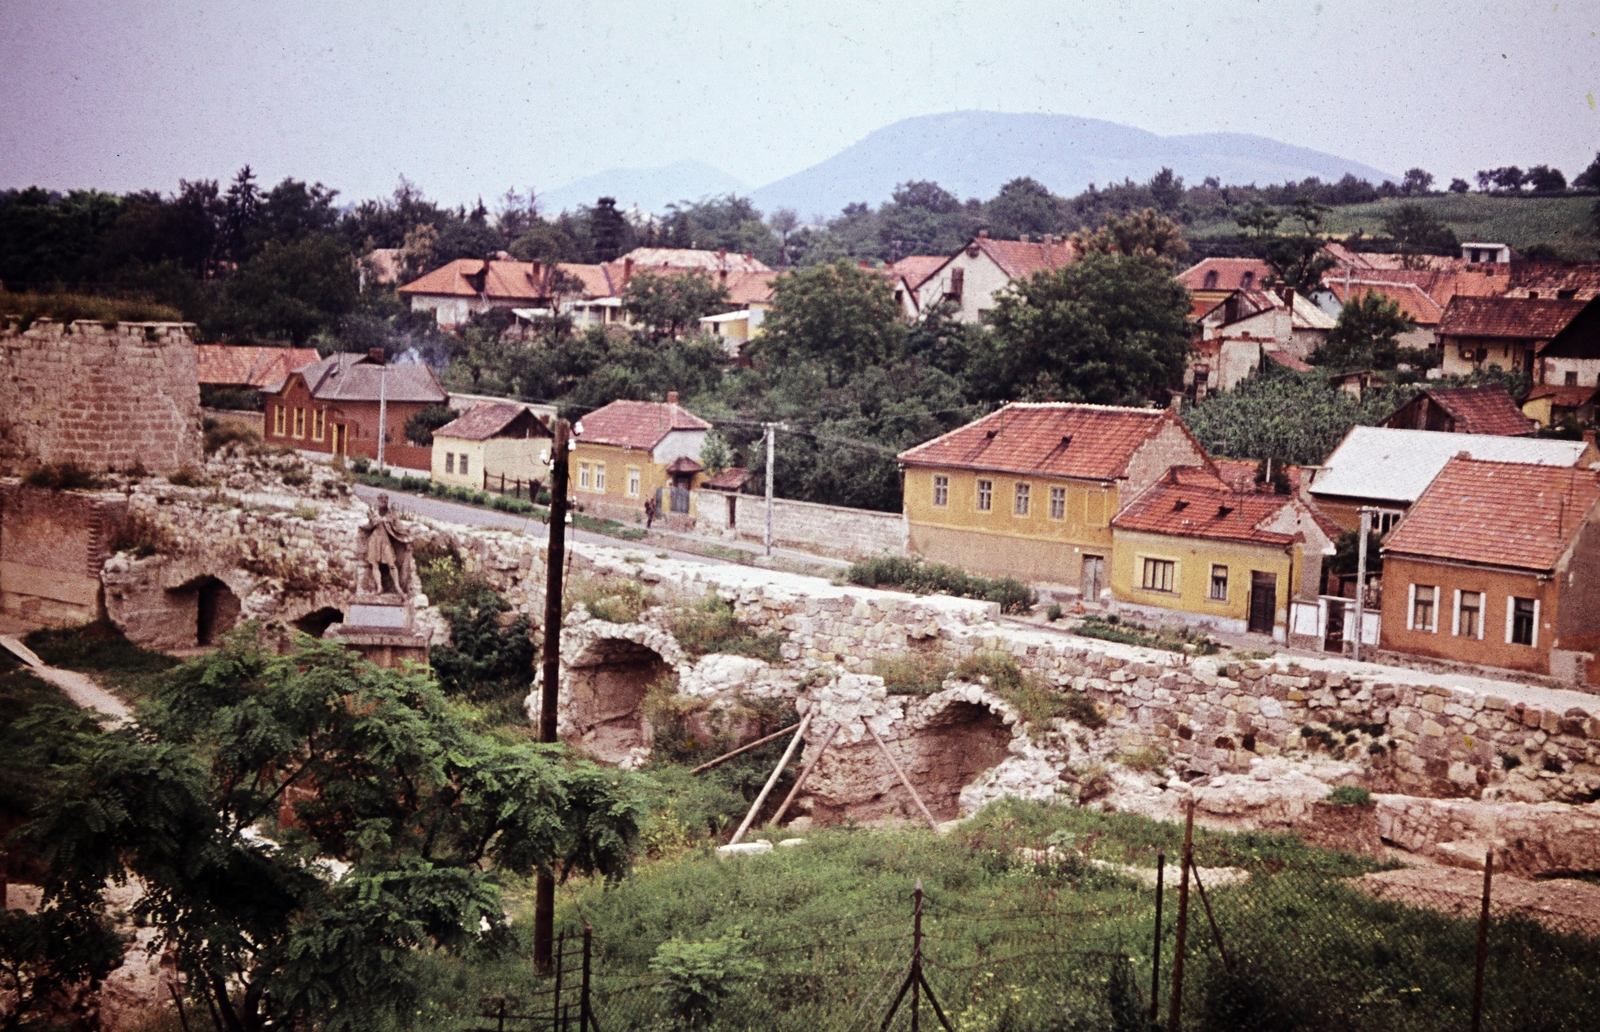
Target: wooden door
{"points": [[1263, 601], [1333, 637], [1094, 576], [338, 439]]}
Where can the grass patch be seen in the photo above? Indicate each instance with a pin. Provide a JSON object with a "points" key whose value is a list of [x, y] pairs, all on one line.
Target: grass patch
{"points": [[916, 575], [1037, 702], [1171, 638], [1149, 759], [913, 673], [63, 476], [708, 625], [108, 311], [102, 650], [217, 434], [1349, 795], [615, 599]]}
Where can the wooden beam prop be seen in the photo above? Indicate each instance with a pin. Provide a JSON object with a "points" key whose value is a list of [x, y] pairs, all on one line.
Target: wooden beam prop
{"points": [[805, 772], [788, 754], [903, 779], [725, 757]]}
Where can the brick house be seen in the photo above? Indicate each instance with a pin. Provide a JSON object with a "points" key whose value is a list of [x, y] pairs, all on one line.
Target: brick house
{"points": [[972, 276], [1030, 490], [332, 407], [1498, 564], [629, 451], [1192, 542]]}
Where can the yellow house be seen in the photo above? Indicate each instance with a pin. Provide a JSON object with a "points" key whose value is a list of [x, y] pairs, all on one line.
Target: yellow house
{"points": [[1191, 542], [489, 442], [1030, 490], [631, 452]]}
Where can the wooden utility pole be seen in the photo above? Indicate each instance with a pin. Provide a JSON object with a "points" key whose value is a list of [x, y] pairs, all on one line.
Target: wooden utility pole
{"points": [[544, 899]]}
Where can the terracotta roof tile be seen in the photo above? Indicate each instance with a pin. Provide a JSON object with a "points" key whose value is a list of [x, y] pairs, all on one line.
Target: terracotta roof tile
{"points": [[482, 422], [684, 464], [637, 424], [350, 377], [1497, 513], [229, 365], [732, 479], [916, 268], [1378, 260], [596, 279], [1201, 511], [1049, 438], [1482, 410], [1511, 317], [1020, 259], [688, 258], [1563, 396], [1551, 279], [1414, 302], [1230, 273], [500, 280]]}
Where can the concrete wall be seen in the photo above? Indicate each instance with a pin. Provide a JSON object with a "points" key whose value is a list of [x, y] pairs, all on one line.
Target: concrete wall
{"points": [[52, 544], [107, 398], [830, 529]]}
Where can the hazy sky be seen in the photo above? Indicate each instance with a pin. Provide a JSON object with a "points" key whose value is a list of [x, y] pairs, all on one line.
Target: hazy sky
{"points": [[470, 99]]}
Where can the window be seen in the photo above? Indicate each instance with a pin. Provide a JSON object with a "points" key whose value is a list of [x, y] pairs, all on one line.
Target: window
{"points": [[1522, 621], [1211, 280], [449, 462], [985, 495], [1158, 574], [941, 491], [1020, 506], [299, 422], [464, 470], [600, 476], [1247, 281], [1219, 583], [318, 424], [1058, 503], [1469, 614], [1422, 612], [1571, 378], [277, 421], [958, 279], [585, 475], [633, 483]]}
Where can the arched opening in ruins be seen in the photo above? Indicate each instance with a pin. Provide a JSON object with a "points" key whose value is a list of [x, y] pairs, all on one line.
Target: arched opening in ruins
{"points": [[217, 610], [317, 622], [606, 687], [953, 749]]}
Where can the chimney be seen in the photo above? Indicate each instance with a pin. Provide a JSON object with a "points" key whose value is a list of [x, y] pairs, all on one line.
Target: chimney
{"points": [[672, 397], [1588, 437], [1022, 237], [627, 270], [1049, 239], [376, 355], [983, 234], [722, 255], [749, 256]]}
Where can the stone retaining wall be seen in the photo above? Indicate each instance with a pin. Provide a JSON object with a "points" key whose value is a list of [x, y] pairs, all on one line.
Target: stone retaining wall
{"points": [[829, 529]]}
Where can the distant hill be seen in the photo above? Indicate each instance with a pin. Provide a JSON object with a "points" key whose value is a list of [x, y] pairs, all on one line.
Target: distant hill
{"points": [[972, 153], [650, 188]]}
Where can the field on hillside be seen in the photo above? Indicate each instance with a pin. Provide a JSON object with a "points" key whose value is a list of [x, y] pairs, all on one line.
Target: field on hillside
{"points": [[1565, 223]]}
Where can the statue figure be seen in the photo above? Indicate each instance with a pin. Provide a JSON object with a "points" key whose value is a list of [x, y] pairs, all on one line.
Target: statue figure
{"points": [[386, 548]]}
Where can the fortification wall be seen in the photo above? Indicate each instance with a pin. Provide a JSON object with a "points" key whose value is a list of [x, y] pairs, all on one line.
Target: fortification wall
{"points": [[109, 398], [830, 529], [52, 544]]}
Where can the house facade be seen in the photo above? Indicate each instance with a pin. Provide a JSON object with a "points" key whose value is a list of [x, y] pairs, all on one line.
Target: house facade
{"points": [[333, 407], [1498, 564], [629, 452], [1572, 358], [490, 442], [970, 278], [1193, 543], [1030, 490], [1510, 332]]}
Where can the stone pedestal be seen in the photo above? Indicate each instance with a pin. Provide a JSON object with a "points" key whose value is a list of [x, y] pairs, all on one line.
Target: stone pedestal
{"points": [[380, 628]]}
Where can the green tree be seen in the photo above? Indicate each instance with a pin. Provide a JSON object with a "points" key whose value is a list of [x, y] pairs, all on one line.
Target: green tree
{"points": [[421, 425], [1111, 329], [697, 976], [1144, 232], [1023, 205], [1297, 258], [608, 230], [44, 953], [669, 305], [841, 317], [484, 659], [1419, 233], [1366, 334], [290, 291], [389, 820], [1589, 178], [1417, 181]]}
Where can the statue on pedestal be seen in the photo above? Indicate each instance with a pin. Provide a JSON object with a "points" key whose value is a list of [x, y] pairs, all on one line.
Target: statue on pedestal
{"points": [[387, 549]]}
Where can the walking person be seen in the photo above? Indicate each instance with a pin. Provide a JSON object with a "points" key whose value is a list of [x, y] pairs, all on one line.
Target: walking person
{"points": [[649, 512]]}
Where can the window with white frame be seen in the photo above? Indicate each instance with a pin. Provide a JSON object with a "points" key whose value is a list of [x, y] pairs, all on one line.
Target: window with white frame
{"points": [[585, 476], [1058, 503], [464, 469], [1159, 575], [599, 476], [941, 491], [633, 483], [985, 495], [1469, 614], [1020, 506], [1219, 583], [1522, 621], [449, 462], [1423, 614]]}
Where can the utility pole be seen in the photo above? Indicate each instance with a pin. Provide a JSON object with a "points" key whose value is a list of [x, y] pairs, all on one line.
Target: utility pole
{"points": [[544, 897], [1361, 579], [771, 429], [383, 413]]}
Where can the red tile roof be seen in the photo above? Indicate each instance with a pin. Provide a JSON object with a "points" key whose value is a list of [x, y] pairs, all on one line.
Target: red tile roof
{"points": [[687, 258], [232, 366], [747, 287], [1190, 506], [1512, 317], [731, 479], [502, 281], [1439, 284], [1550, 279], [350, 377], [1379, 260], [596, 279], [1049, 439], [1562, 396], [637, 424], [1230, 273], [482, 422], [1414, 302], [1288, 361], [684, 464], [1481, 410], [916, 268], [1020, 259], [1497, 513]]}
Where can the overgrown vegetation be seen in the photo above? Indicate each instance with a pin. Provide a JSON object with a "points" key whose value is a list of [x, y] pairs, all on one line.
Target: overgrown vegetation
{"points": [[918, 575], [217, 434], [913, 673], [1170, 637], [1035, 701], [62, 307], [68, 475], [708, 624], [617, 599], [104, 651], [1349, 795]]}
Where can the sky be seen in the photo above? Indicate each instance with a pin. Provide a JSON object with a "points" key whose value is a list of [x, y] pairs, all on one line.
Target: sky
{"points": [[469, 100]]}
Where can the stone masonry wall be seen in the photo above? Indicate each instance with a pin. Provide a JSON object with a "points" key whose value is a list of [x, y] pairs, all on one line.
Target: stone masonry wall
{"points": [[830, 529], [108, 398], [52, 544]]}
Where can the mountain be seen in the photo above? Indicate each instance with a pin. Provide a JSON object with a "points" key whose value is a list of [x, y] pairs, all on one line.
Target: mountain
{"points": [[972, 153], [652, 189]]}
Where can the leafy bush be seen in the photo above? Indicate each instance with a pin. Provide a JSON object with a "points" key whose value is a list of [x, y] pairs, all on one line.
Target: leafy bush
{"points": [[1349, 795], [614, 599], [1178, 638], [912, 673], [219, 433], [188, 475], [1037, 703], [360, 464], [915, 574], [1053, 613], [486, 658], [1149, 759], [697, 976], [709, 625], [421, 425], [63, 476]]}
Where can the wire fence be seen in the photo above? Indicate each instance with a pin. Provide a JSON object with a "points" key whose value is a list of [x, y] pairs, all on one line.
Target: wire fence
{"points": [[1087, 945]]}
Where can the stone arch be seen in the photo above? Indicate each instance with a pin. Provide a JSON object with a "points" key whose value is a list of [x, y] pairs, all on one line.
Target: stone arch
{"points": [[953, 746], [606, 671], [198, 612], [317, 621]]}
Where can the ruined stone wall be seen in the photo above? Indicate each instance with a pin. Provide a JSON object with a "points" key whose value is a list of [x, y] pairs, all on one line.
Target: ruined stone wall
{"points": [[52, 544], [107, 398], [829, 529]]}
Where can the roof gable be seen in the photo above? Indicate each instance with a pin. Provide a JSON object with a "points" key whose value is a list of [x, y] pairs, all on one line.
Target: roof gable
{"points": [[1580, 338], [477, 277], [1487, 409], [1095, 442], [1193, 503], [1021, 259], [1517, 318], [637, 424], [1230, 274], [227, 365], [482, 422], [1388, 465]]}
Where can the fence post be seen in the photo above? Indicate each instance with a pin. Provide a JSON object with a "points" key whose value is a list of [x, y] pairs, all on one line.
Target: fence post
{"points": [[1175, 1008], [1155, 952], [501, 1025], [555, 1010], [586, 1022], [916, 958], [1483, 941]]}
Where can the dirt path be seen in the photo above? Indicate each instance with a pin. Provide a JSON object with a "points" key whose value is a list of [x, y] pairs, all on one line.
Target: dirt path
{"points": [[77, 687], [1561, 904]]}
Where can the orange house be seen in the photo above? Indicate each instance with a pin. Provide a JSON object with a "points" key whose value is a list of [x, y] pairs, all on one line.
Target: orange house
{"points": [[333, 406]]}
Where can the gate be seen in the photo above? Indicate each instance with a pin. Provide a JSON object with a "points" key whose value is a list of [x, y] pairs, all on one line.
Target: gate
{"points": [[1263, 601]]}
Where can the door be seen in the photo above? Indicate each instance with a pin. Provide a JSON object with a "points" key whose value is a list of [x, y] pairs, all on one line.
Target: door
{"points": [[1094, 576], [1263, 601], [1333, 638], [338, 438], [733, 511]]}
